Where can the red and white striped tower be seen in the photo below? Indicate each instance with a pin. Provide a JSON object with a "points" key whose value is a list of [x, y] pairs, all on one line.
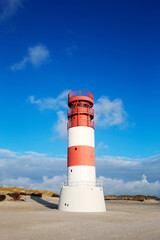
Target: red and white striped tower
{"points": [[81, 193]]}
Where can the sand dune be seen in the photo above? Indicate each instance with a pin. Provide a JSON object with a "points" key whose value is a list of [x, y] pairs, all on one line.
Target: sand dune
{"points": [[38, 219]]}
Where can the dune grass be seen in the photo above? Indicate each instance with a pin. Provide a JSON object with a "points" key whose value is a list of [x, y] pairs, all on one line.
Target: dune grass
{"points": [[27, 191], [130, 197]]}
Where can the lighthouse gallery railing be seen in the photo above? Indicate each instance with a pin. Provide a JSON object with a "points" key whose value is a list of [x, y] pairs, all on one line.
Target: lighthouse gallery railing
{"points": [[97, 183]]}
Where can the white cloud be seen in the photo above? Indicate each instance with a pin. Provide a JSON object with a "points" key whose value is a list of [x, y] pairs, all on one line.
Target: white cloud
{"points": [[110, 185], [50, 184], [51, 103], [118, 161], [5, 153], [120, 175], [61, 126], [9, 8], [29, 165], [109, 113], [36, 56], [21, 182], [101, 145], [36, 154], [119, 187]]}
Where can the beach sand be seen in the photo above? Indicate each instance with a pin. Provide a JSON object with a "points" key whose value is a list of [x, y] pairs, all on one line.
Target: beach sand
{"points": [[39, 219]]}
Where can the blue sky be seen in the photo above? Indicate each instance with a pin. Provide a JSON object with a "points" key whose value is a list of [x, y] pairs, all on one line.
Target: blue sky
{"points": [[110, 48]]}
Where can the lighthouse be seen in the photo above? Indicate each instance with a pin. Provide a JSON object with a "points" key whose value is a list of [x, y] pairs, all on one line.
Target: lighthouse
{"points": [[81, 192]]}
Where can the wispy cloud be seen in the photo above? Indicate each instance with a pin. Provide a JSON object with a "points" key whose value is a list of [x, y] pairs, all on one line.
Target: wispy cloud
{"points": [[36, 56], [101, 145], [61, 125], [58, 103], [109, 113], [71, 50], [31, 153], [118, 161], [9, 8], [51, 103]]}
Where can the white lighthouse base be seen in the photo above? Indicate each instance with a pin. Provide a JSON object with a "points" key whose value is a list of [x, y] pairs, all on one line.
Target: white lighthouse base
{"points": [[82, 199]]}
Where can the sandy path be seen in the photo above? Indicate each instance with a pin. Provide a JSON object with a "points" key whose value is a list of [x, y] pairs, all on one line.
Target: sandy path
{"points": [[32, 220]]}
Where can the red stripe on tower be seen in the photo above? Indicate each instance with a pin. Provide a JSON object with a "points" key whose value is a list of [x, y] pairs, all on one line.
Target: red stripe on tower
{"points": [[81, 155]]}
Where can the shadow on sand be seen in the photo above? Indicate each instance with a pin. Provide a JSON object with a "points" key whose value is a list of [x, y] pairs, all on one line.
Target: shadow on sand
{"points": [[45, 203]]}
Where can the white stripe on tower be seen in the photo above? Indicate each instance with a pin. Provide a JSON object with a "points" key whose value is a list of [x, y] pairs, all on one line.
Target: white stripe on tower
{"points": [[81, 136]]}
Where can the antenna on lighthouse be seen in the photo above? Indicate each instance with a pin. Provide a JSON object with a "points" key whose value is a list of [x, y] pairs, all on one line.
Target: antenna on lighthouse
{"points": [[81, 193]]}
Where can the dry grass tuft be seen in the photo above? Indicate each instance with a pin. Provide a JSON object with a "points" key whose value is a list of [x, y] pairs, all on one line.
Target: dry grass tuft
{"points": [[129, 197], [21, 191]]}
